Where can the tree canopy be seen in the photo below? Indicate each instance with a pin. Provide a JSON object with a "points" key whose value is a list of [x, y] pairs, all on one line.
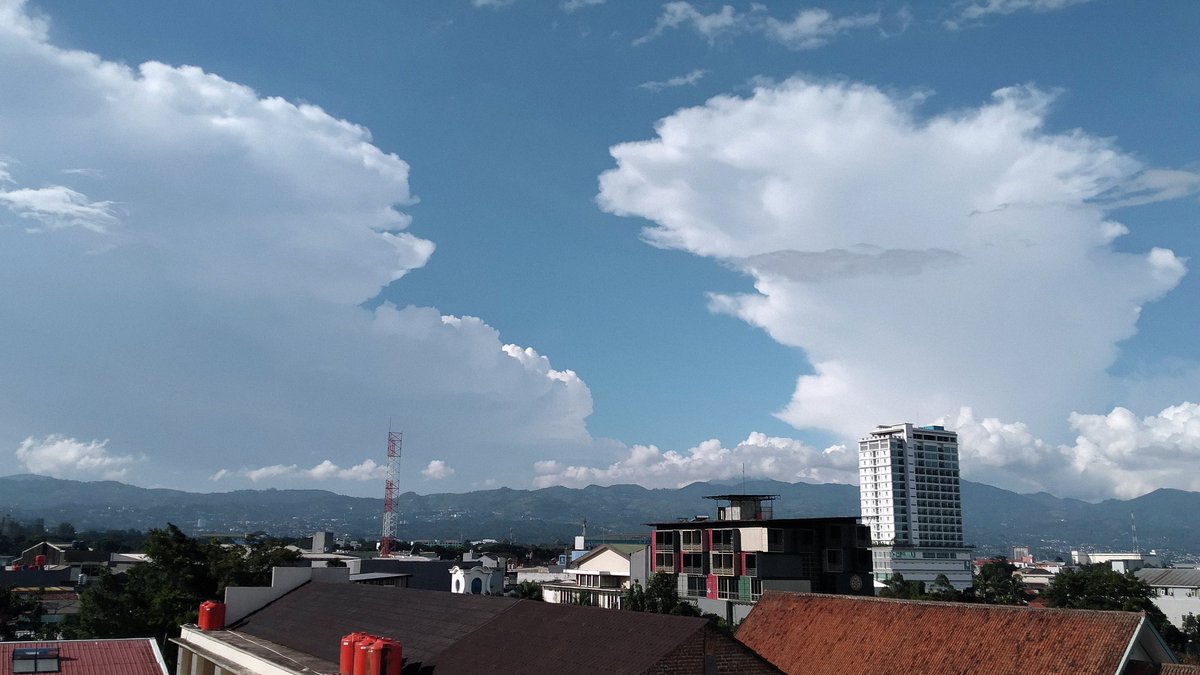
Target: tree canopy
{"points": [[153, 599], [1098, 586]]}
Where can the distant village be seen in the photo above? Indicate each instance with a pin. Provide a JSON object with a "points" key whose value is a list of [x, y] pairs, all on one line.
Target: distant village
{"points": [[896, 588]]}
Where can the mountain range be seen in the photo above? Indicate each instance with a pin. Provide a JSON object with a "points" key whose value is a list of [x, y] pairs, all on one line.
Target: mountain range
{"points": [[994, 519]]}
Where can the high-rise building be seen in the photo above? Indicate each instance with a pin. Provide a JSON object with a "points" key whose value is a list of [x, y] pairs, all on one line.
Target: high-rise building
{"points": [[910, 497]]}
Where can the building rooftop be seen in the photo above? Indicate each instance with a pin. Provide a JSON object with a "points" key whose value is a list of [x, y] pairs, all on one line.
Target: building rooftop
{"points": [[449, 633], [135, 656], [1183, 578], [844, 634]]}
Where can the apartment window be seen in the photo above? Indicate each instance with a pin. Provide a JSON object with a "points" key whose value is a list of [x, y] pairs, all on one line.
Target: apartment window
{"points": [[664, 562], [775, 540], [833, 560], [751, 565], [728, 588], [722, 540], [693, 563], [691, 540], [697, 587], [722, 563], [664, 539]]}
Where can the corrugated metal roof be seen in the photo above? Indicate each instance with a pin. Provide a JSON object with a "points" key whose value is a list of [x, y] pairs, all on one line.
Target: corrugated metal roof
{"points": [[1179, 578], [818, 634], [135, 656]]}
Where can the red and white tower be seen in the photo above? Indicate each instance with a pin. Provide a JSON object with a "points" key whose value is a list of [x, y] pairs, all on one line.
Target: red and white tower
{"points": [[392, 476]]}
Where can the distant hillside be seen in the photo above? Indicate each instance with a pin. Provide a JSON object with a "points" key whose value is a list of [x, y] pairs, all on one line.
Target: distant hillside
{"points": [[995, 519]]}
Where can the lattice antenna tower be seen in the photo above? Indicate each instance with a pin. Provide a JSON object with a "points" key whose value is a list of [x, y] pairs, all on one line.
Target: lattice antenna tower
{"points": [[391, 477]]}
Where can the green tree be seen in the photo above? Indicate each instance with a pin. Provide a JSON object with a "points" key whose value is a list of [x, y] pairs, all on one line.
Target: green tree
{"points": [[996, 583], [1098, 586], [897, 587], [152, 599], [529, 590], [942, 589], [662, 597], [635, 598], [15, 609]]}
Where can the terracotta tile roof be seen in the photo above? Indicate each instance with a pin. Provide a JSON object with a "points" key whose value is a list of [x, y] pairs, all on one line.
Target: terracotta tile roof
{"points": [[1178, 669], [802, 633], [136, 656]]}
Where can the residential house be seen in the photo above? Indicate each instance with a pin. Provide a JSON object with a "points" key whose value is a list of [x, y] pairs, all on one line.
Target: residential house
{"points": [[600, 577], [134, 656]]}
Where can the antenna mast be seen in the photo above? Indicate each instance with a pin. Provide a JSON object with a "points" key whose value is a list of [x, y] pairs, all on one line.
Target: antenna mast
{"points": [[1133, 528], [391, 477]]}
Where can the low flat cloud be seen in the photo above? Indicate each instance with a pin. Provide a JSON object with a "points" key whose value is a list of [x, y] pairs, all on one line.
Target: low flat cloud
{"points": [[759, 456], [689, 79], [972, 11]]}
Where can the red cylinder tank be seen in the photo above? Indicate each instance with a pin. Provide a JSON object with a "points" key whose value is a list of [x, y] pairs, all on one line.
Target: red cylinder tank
{"points": [[39, 560], [360, 654], [395, 660], [346, 656], [212, 615]]}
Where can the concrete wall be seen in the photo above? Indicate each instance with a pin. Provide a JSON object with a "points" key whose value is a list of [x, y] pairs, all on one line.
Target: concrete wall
{"points": [[242, 600]]}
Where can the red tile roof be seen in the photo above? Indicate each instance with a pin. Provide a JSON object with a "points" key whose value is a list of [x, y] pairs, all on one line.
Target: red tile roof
{"points": [[137, 656], [817, 634]]}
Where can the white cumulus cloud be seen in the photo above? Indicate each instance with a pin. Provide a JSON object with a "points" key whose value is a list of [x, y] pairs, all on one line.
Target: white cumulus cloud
{"points": [[972, 11], [63, 457], [437, 469], [760, 456], [922, 262], [1117, 454], [807, 29], [222, 258]]}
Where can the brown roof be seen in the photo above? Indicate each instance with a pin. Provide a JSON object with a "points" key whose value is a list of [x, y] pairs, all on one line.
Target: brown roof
{"points": [[1178, 669], [135, 656], [803, 633], [446, 633]]}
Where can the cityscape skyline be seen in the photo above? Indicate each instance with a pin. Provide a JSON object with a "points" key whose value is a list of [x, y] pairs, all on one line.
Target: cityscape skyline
{"points": [[573, 243]]}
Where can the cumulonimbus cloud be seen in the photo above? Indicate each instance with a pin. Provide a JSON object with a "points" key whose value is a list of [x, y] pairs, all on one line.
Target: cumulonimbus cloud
{"points": [[923, 262], [207, 287]]}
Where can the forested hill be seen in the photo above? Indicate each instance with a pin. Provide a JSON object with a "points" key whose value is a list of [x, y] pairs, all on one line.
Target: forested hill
{"points": [[994, 519]]}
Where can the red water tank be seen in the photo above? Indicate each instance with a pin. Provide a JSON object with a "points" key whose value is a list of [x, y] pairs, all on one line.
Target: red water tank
{"points": [[384, 657], [360, 654], [39, 560], [346, 656], [212, 615]]}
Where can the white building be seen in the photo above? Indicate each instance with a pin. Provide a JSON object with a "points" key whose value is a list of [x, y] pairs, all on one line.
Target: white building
{"points": [[601, 577], [1176, 591], [910, 498], [1119, 561]]}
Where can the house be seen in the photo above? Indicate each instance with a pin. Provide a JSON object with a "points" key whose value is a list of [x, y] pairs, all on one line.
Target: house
{"points": [[1176, 591], [724, 565], [600, 577], [295, 629], [818, 634], [134, 656]]}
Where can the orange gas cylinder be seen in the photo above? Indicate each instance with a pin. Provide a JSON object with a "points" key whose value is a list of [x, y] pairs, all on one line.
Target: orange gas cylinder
{"points": [[212, 615], [346, 660]]}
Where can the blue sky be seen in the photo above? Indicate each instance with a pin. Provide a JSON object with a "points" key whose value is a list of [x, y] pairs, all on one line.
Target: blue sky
{"points": [[667, 240]]}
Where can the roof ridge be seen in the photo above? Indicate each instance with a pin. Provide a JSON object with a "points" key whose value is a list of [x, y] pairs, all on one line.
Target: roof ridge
{"points": [[968, 606]]}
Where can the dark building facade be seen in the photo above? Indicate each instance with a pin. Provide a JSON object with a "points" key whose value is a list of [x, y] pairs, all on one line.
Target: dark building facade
{"points": [[724, 565]]}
